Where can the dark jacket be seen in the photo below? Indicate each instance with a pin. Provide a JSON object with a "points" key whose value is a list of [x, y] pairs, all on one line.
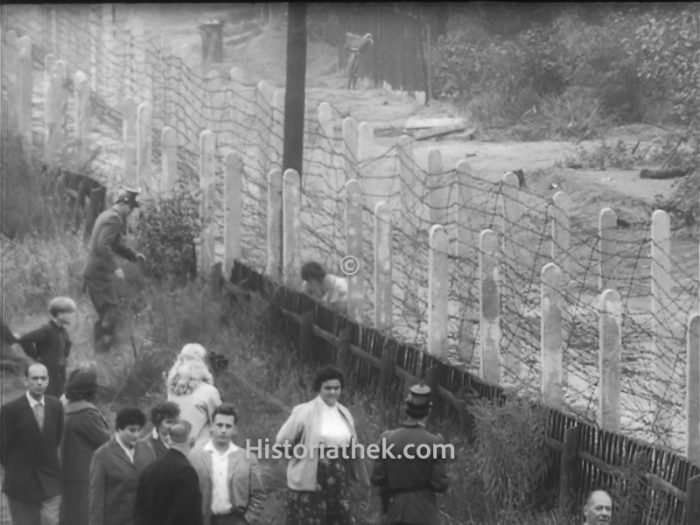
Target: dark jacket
{"points": [[148, 449], [106, 242], [113, 482], [49, 345], [168, 492], [28, 455], [410, 484]]}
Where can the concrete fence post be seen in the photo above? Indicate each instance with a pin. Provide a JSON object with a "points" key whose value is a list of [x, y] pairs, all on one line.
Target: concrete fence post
{"points": [[277, 146], [407, 184], [350, 145], [561, 232], [168, 160], [354, 240], [693, 389], [467, 243], [263, 112], [25, 89], [490, 307], [129, 137], [365, 141], [82, 117], [607, 222], [291, 232], [552, 344], [56, 103], [439, 187], [233, 224], [274, 225], [610, 360], [438, 291], [383, 296], [207, 175], [144, 148]]}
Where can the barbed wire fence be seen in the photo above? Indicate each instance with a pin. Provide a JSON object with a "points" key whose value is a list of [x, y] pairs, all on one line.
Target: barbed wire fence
{"points": [[127, 69]]}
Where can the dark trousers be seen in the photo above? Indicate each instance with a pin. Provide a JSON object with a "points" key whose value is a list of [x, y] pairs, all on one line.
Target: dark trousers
{"points": [[34, 512], [228, 519]]}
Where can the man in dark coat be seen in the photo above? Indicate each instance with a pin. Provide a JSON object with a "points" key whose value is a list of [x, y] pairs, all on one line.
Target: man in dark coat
{"points": [[31, 433], [168, 491], [154, 445], [101, 270], [50, 344], [409, 483]]}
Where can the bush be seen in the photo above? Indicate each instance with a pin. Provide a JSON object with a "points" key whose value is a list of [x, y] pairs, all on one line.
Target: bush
{"points": [[166, 232]]}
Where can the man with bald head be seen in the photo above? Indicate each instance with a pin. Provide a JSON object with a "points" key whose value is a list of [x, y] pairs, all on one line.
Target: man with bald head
{"points": [[598, 508], [168, 490], [31, 427]]}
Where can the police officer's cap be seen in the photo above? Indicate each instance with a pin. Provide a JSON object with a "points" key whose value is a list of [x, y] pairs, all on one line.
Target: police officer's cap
{"points": [[418, 401], [128, 196]]}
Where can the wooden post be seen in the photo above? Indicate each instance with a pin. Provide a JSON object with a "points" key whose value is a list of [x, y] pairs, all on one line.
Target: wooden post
{"points": [[24, 96], [350, 157], [277, 138], [96, 205], [551, 337], [432, 379], [274, 225], [387, 371], [216, 280], [610, 360], [607, 222], [144, 141], [561, 232], [344, 349], [207, 174], [233, 224], [439, 185], [490, 307], [661, 304], [693, 389], [693, 509], [568, 473], [129, 136], [56, 101], [306, 332], [82, 118], [291, 231], [168, 153], [365, 141], [438, 290], [383, 296], [216, 101], [353, 236]]}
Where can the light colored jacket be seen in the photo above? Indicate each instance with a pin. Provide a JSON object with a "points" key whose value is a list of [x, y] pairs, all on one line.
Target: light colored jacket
{"points": [[246, 489], [303, 426]]}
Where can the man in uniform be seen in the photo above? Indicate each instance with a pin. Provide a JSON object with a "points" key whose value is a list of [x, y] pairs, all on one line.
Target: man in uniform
{"points": [[408, 484], [102, 271]]}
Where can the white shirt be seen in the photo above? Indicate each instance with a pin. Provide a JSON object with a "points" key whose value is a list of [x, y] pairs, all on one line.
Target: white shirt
{"points": [[334, 429], [220, 497], [33, 402], [337, 289], [129, 453]]}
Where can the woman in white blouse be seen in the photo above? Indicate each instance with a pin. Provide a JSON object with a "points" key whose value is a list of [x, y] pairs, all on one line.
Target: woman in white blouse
{"points": [[318, 476]]}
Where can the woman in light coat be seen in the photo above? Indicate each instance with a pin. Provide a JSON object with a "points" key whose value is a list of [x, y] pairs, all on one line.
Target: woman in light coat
{"points": [[319, 483]]}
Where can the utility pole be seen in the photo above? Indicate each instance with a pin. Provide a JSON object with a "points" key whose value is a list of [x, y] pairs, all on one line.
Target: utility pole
{"points": [[293, 153]]}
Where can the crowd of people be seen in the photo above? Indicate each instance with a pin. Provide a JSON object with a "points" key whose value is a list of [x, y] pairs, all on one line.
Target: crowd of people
{"points": [[65, 464]]}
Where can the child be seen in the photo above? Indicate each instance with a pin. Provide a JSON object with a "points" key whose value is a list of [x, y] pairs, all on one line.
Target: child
{"points": [[50, 344]]}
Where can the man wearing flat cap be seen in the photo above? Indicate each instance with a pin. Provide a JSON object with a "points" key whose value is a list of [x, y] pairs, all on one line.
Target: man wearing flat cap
{"points": [[101, 271], [409, 481]]}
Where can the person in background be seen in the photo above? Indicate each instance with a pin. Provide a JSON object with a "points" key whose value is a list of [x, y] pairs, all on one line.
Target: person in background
{"points": [[319, 487], [168, 489], [50, 344], [84, 432], [598, 508], [156, 443], [408, 485], [189, 352], [31, 432], [191, 387], [114, 472], [229, 479], [324, 287], [101, 270]]}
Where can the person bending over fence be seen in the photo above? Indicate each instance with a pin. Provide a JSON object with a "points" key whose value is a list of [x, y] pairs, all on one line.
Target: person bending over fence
{"points": [[325, 287]]}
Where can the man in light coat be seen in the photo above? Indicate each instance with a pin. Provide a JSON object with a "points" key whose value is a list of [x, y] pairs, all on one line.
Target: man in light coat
{"points": [[229, 478]]}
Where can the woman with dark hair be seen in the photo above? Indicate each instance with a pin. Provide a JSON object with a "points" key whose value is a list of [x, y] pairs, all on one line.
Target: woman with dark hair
{"points": [[319, 478], [84, 431]]}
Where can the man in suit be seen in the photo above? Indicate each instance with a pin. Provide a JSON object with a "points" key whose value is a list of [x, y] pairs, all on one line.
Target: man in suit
{"points": [[408, 484], [168, 490], [114, 472], [153, 446], [101, 271], [598, 508], [31, 427], [229, 478]]}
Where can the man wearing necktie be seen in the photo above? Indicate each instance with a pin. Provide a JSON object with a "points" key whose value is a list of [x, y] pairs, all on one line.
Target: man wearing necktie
{"points": [[31, 433], [114, 472]]}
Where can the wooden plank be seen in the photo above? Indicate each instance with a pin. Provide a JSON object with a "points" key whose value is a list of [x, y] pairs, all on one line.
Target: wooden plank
{"points": [[568, 474], [306, 336], [693, 510]]}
